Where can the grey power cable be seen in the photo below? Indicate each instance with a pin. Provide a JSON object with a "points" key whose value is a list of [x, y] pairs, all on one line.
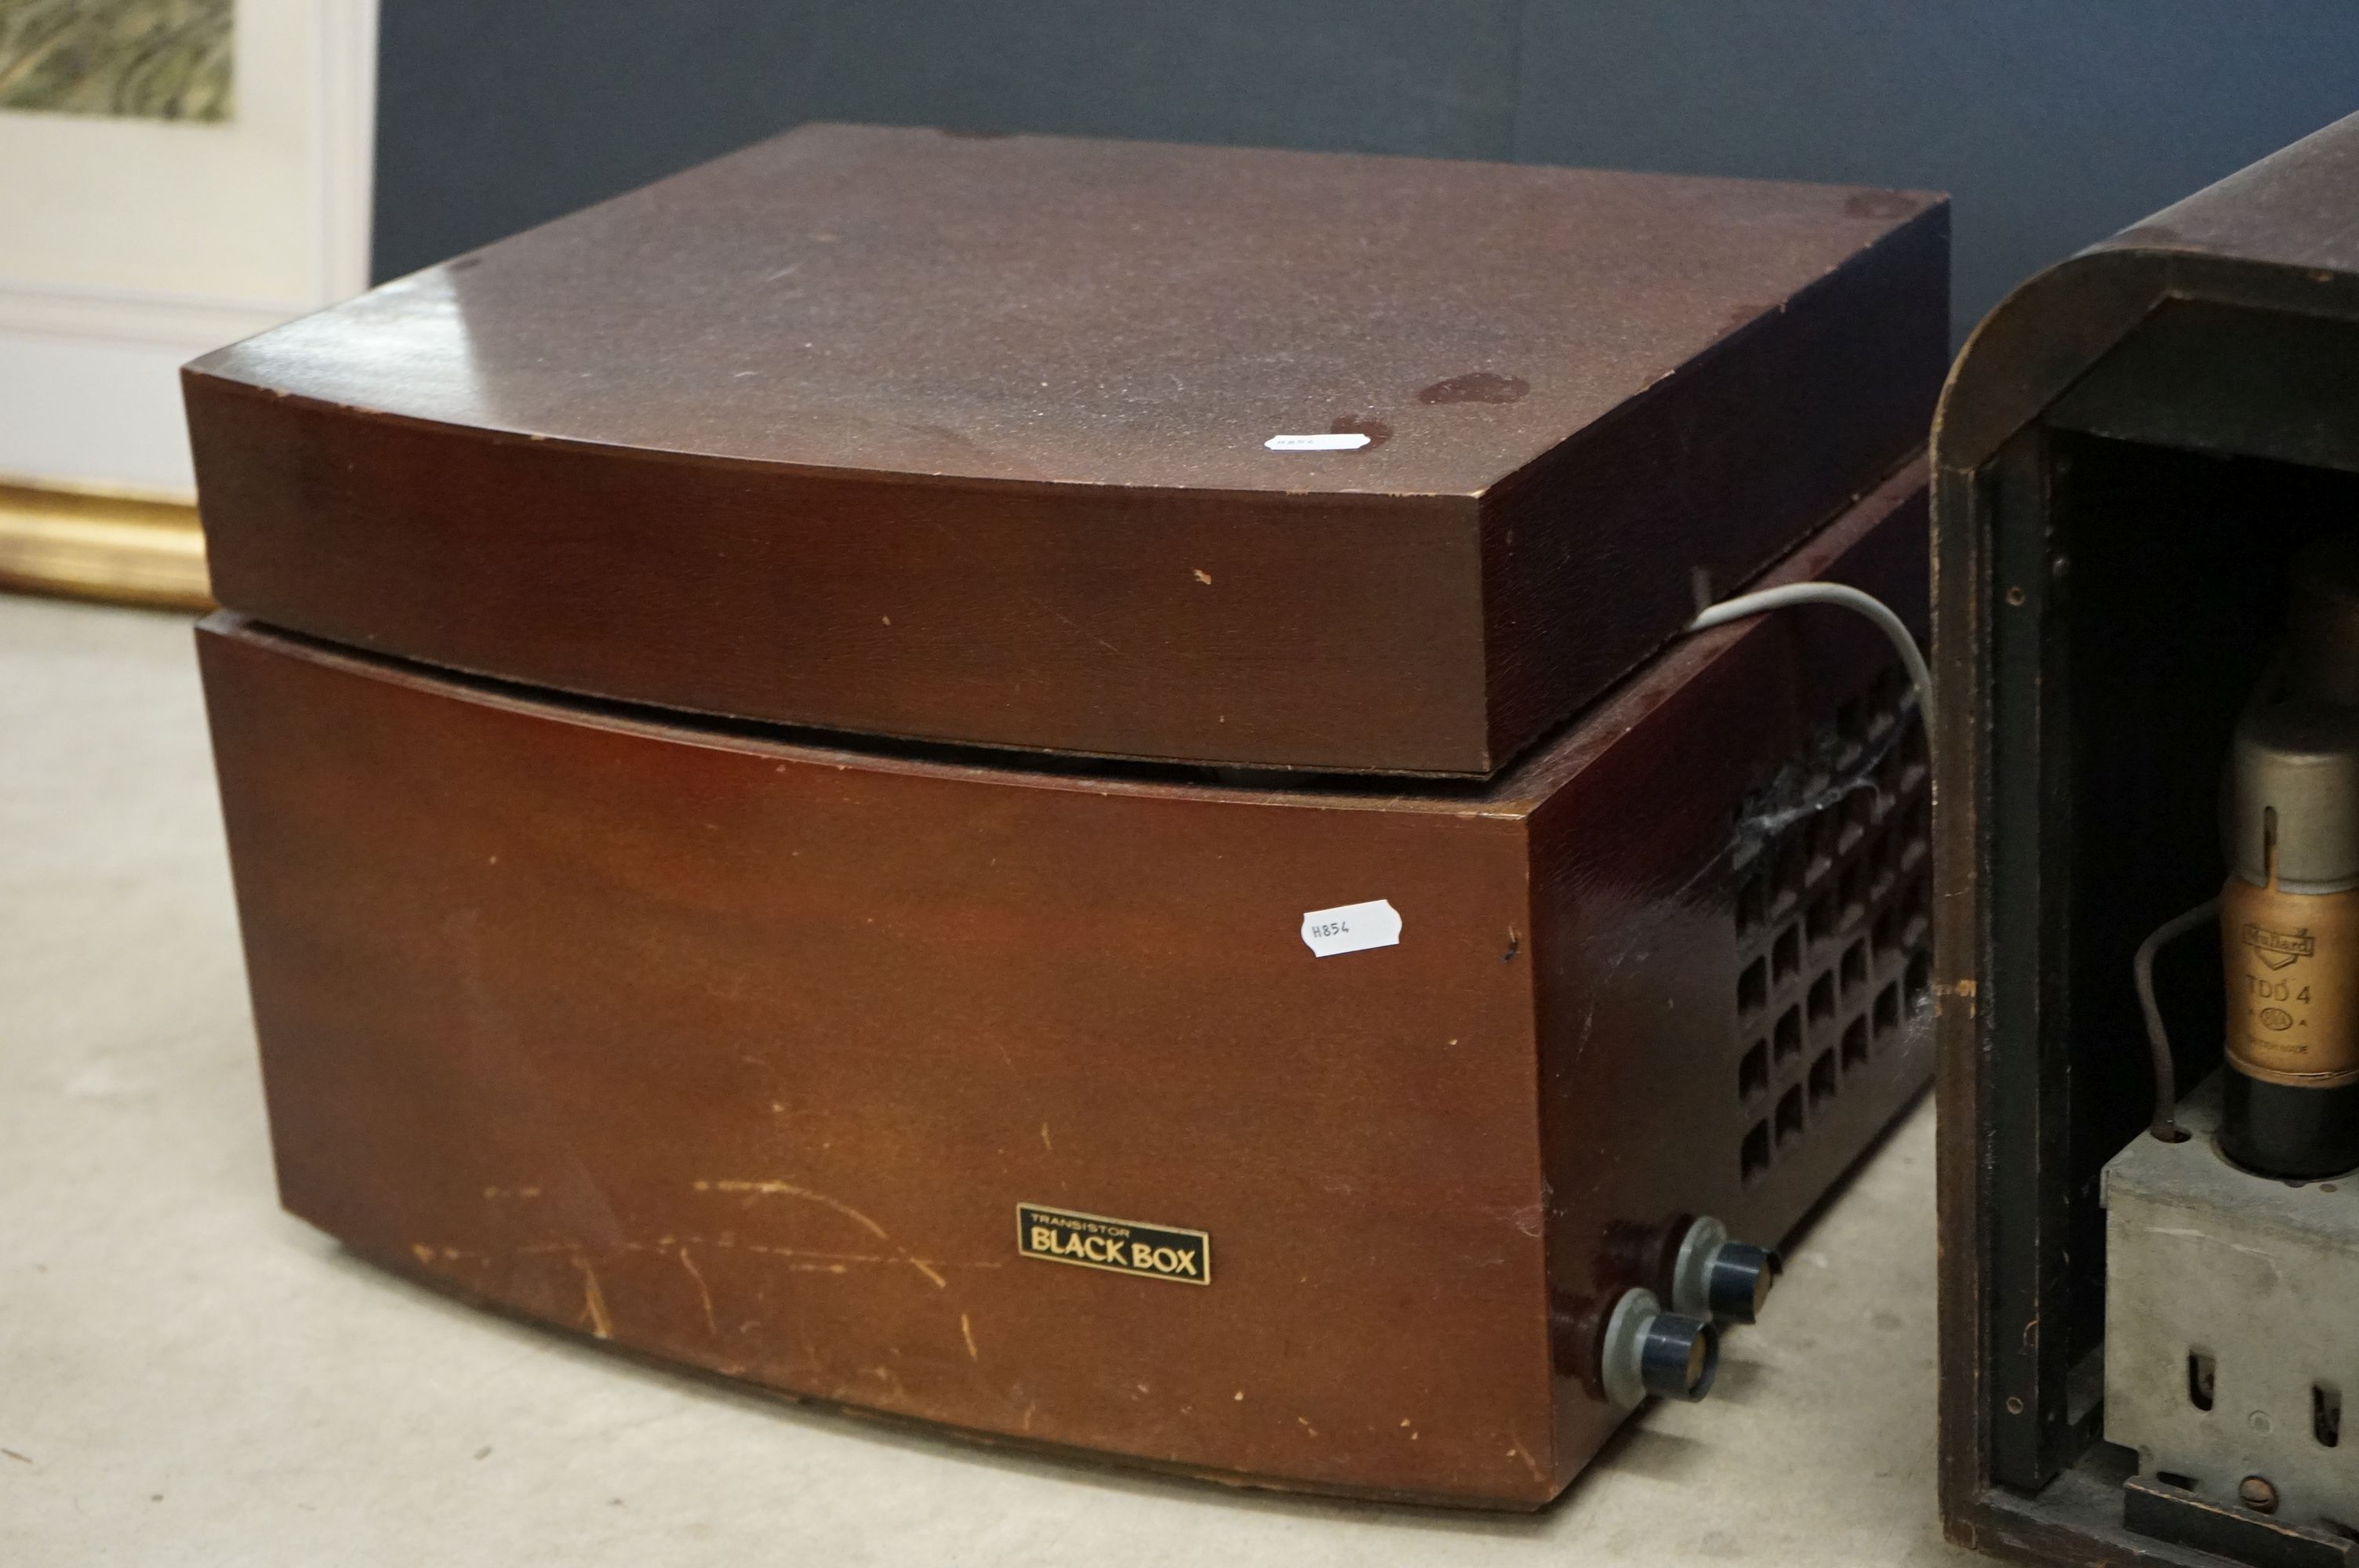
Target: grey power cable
{"points": [[2165, 1122], [1746, 605]]}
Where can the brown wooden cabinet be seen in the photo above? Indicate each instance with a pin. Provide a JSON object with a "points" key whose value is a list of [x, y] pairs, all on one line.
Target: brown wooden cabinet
{"points": [[2130, 452], [741, 1043]]}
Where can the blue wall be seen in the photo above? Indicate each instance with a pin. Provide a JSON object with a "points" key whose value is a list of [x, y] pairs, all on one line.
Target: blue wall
{"points": [[2051, 122]]}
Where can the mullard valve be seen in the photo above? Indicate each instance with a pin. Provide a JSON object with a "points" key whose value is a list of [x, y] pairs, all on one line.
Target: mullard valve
{"points": [[2289, 910]]}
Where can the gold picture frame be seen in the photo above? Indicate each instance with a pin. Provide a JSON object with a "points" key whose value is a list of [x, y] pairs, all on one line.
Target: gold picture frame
{"points": [[88, 543]]}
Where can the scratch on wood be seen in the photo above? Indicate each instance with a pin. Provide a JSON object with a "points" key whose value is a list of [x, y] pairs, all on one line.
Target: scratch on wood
{"points": [[594, 1299], [725, 1240], [703, 1290], [789, 1190], [1077, 626], [1052, 1147], [1517, 1452], [967, 1330], [805, 1255]]}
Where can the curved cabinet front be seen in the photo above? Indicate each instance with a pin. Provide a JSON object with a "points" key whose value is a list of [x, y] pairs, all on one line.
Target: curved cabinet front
{"points": [[1301, 1135], [745, 1054]]}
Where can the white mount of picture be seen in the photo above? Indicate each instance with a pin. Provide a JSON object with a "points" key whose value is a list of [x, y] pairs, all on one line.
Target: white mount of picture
{"points": [[134, 244]]}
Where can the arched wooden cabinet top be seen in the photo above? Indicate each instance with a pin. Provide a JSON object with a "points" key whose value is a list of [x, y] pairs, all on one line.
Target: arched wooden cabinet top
{"points": [[968, 439]]}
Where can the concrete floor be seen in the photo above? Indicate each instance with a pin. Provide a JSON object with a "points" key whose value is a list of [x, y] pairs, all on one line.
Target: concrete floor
{"points": [[189, 1376]]}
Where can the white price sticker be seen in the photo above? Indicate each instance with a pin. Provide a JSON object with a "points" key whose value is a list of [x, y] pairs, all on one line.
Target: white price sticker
{"points": [[1350, 442], [1352, 928]]}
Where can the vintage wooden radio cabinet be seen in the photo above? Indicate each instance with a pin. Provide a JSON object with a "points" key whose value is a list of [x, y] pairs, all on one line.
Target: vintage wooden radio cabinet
{"points": [[1053, 786], [2147, 507]]}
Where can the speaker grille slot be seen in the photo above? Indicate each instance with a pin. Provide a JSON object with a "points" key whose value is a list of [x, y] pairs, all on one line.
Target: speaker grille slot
{"points": [[1842, 836]]}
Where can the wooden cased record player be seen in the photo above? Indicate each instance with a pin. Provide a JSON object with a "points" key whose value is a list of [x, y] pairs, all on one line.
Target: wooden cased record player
{"points": [[1052, 786]]}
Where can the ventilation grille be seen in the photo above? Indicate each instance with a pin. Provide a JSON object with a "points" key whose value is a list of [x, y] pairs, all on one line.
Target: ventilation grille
{"points": [[1832, 861]]}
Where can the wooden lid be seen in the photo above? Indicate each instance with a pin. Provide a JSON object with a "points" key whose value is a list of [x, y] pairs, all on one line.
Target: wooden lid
{"points": [[970, 438]]}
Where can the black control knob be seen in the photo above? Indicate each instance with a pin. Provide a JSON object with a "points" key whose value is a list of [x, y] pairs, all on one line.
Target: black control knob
{"points": [[1725, 1281], [1737, 1281], [1678, 1356]]}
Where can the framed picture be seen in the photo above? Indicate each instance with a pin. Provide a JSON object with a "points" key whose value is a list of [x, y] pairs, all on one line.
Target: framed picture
{"points": [[178, 174]]}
